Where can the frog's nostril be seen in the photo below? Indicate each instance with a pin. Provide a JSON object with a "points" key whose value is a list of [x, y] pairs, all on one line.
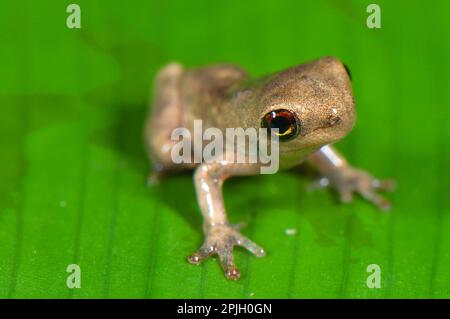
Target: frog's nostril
{"points": [[348, 71]]}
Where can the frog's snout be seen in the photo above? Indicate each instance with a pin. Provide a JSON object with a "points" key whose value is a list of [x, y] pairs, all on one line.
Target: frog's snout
{"points": [[339, 115], [336, 69]]}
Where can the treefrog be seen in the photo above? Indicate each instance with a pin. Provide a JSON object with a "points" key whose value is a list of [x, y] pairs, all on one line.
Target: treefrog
{"points": [[311, 105]]}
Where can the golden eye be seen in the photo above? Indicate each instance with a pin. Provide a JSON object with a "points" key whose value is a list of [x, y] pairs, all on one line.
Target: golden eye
{"points": [[285, 121]]}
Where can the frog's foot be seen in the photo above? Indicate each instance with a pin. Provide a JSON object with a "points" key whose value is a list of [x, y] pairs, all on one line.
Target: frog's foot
{"points": [[347, 181], [220, 240]]}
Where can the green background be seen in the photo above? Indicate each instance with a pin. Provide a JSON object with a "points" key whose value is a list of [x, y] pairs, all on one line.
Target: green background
{"points": [[73, 169]]}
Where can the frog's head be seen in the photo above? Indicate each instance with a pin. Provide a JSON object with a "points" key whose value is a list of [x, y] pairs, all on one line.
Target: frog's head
{"points": [[311, 105]]}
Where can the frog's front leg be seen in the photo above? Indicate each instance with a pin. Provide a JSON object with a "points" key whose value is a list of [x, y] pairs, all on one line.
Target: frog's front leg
{"points": [[220, 236], [347, 180]]}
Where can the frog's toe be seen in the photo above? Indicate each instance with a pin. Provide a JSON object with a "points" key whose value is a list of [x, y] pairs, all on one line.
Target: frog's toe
{"points": [[387, 185], [227, 262], [233, 273], [255, 249], [221, 240], [201, 254], [378, 200]]}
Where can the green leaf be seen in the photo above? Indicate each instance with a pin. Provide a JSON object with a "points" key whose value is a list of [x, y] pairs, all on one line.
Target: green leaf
{"points": [[73, 166]]}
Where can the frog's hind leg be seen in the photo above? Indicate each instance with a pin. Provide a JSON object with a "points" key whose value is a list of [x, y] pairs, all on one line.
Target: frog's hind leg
{"points": [[164, 118]]}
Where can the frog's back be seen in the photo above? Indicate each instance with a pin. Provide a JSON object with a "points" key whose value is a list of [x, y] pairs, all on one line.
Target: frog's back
{"points": [[203, 92]]}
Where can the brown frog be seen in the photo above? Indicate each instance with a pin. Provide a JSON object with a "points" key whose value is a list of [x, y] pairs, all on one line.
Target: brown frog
{"points": [[311, 106]]}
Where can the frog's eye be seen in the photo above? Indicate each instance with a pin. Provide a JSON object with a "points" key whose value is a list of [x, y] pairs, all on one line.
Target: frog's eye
{"points": [[285, 121]]}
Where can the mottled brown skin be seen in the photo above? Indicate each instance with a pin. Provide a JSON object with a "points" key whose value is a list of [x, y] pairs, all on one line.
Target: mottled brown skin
{"points": [[319, 93]]}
